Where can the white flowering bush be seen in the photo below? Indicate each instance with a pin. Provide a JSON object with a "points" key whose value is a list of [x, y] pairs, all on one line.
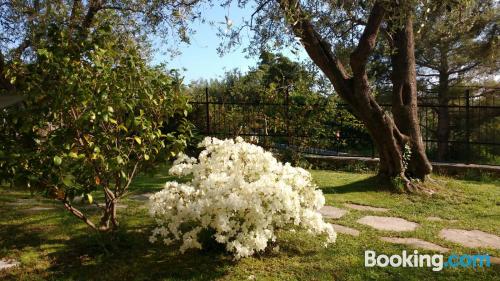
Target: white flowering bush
{"points": [[241, 194]]}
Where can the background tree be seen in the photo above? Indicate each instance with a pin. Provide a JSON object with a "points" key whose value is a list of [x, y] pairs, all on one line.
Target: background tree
{"points": [[455, 46]]}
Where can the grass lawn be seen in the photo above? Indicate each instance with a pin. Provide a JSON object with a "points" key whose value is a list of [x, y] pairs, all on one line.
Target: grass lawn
{"points": [[53, 245]]}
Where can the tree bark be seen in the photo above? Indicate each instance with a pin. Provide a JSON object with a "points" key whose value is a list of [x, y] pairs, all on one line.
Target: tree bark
{"points": [[355, 90], [443, 126], [404, 98], [108, 219]]}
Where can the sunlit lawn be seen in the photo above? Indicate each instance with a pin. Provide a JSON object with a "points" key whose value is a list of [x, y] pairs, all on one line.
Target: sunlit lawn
{"points": [[53, 245]]}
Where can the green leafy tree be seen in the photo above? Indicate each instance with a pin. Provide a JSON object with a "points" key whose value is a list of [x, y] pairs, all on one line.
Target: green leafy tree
{"points": [[94, 115], [455, 45]]}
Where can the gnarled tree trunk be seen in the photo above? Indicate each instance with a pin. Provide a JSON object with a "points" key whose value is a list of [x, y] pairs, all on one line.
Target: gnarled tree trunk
{"points": [[108, 219], [404, 98], [389, 135]]}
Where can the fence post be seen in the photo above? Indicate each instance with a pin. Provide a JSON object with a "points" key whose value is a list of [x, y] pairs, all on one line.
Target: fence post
{"points": [[467, 126], [207, 108], [339, 134], [372, 148]]}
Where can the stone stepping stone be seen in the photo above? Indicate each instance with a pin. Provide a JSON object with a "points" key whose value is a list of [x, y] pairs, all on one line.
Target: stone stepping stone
{"points": [[471, 238], [93, 206], [331, 212], [5, 264], [22, 202], [415, 242], [36, 209], [365, 208], [345, 230], [141, 197], [388, 223]]}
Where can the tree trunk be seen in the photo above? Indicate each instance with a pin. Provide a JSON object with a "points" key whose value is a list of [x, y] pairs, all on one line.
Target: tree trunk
{"points": [[108, 219], [404, 98], [355, 90], [386, 136], [443, 126]]}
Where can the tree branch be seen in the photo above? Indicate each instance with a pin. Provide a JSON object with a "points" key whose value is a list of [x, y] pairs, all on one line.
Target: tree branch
{"points": [[94, 7], [77, 213], [420, 62], [428, 75], [464, 69], [317, 48], [368, 40]]}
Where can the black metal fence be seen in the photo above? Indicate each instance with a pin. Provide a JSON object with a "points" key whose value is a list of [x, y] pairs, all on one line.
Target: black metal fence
{"points": [[328, 128]]}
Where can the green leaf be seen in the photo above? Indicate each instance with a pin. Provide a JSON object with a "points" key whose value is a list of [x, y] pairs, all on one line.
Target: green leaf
{"points": [[146, 157], [122, 127], [138, 139], [57, 160], [89, 198], [68, 180], [119, 160]]}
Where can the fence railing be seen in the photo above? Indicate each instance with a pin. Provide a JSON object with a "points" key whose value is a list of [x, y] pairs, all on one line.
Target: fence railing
{"points": [[472, 132]]}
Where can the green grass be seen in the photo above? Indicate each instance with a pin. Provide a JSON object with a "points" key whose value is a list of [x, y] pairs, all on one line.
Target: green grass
{"points": [[53, 245]]}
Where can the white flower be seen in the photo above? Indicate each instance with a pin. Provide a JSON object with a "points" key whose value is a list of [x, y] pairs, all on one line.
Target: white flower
{"points": [[242, 194]]}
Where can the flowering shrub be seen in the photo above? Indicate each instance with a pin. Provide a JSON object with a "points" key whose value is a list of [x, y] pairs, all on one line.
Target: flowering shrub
{"points": [[239, 192]]}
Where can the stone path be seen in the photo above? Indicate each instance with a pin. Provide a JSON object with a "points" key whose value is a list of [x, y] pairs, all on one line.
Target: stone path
{"points": [[415, 242], [36, 209], [5, 264], [345, 230], [365, 208], [141, 197], [93, 206], [471, 238], [22, 202], [388, 223], [331, 212]]}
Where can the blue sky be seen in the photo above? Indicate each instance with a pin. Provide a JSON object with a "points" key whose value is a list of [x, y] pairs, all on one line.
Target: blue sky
{"points": [[200, 58]]}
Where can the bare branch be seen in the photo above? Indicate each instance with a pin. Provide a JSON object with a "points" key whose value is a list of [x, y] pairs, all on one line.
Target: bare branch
{"points": [[428, 75], [464, 69], [261, 6], [77, 213]]}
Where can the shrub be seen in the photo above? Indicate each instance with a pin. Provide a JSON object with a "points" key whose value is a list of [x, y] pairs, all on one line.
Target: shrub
{"points": [[91, 124], [241, 194]]}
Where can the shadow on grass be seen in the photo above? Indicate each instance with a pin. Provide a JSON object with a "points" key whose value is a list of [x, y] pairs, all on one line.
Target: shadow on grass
{"points": [[20, 235], [371, 184], [130, 256], [153, 180], [82, 254]]}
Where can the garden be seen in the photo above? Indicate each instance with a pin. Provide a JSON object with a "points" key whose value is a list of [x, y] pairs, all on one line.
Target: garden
{"points": [[361, 143]]}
